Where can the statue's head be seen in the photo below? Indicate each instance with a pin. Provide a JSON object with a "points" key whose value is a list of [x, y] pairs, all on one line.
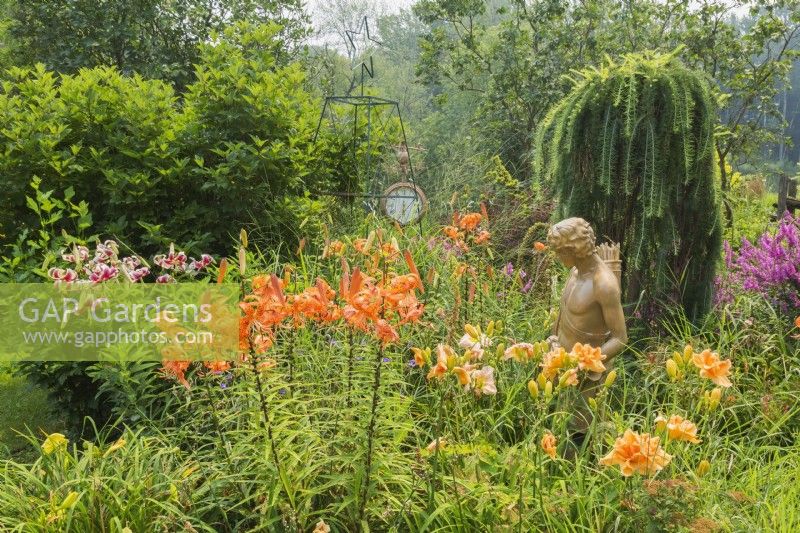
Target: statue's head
{"points": [[571, 239]]}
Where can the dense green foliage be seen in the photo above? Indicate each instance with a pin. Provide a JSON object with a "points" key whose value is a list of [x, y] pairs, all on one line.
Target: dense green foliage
{"points": [[631, 149], [154, 38], [238, 143]]}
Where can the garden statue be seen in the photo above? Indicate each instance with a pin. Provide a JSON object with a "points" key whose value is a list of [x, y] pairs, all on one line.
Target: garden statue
{"points": [[590, 309]]}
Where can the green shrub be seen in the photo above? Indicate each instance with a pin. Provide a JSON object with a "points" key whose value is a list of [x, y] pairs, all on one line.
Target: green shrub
{"points": [[191, 169]]}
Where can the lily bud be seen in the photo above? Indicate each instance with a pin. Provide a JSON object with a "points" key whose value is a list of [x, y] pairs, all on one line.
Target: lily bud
{"points": [[672, 369], [501, 350], [533, 389], [472, 331], [712, 398], [548, 390], [498, 326], [610, 379], [687, 353], [69, 501], [593, 404], [490, 328], [702, 468], [242, 261], [541, 380], [243, 237], [370, 240]]}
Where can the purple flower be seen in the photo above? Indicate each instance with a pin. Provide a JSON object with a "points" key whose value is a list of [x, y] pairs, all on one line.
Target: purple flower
{"points": [[412, 362], [508, 270], [386, 359], [527, 287], [282, 391], [770, 267]]}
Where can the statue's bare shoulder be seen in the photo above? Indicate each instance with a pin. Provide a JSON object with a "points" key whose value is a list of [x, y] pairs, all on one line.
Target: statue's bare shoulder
{"points": [[606, 286]]}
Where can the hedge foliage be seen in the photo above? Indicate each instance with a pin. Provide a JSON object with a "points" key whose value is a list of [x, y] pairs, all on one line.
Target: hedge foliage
{"points": [[192, 168]]}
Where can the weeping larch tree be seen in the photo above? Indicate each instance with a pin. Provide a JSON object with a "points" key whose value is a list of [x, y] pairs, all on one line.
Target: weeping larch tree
{"points": [[631, 150]]}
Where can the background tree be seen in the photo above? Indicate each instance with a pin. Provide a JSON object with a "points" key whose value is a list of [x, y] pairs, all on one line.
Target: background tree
{"points": [[631, 149], [154, 38]]}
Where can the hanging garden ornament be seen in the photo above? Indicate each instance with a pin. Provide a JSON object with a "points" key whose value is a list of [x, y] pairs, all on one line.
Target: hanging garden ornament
{"points": [[404, 202]]}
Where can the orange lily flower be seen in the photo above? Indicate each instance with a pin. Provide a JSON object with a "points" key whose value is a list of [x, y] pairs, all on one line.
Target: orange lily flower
{"points": [[482, 237], [589, 357], [470, 221], [548, 444], [177, 370], [635, 453], [539, 246], [334, 249], [452, 232], [217, 367], [386, 333], [712, 367], [678, 428]]}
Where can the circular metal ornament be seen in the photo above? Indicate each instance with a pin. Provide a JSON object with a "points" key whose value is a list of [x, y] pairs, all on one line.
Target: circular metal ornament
{"points": [[404, 202]]}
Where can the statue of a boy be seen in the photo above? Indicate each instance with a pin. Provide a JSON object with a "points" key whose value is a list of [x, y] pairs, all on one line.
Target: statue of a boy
{"points": [[590, 310]]}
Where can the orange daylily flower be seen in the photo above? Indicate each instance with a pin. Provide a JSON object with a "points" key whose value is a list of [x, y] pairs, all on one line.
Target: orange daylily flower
{"points": [[463, 375], [712, 367], [556, 361], [589, 357], [520, 352], [797, 322], [482, 381], [362, 246], [482, 237], [678, 428], [443, 353], [548, 444], [421, 356], [635, 453], [363, 299], [569, 378], [390, 251], [539, 246], [470, 221], [436, 444]]}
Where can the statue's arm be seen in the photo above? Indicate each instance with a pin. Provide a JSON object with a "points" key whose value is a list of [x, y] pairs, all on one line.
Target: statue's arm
{"points": [[609, 297]]}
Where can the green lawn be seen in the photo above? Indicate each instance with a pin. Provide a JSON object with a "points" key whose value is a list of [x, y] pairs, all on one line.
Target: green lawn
{"points": [[24, 407]]}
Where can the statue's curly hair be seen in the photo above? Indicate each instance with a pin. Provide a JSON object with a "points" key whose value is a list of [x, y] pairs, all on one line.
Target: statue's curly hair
{"points": [[573, 233]]}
